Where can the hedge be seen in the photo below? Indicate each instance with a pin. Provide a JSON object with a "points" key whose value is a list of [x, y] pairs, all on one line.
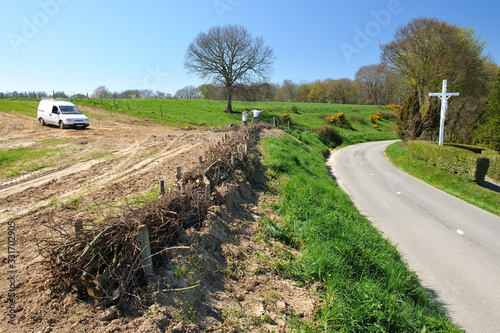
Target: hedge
{"points": [[452, 159], [493, 156]]}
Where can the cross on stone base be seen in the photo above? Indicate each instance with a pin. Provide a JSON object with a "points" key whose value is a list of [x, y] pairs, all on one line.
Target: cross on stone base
{"points": [[444, 105]]}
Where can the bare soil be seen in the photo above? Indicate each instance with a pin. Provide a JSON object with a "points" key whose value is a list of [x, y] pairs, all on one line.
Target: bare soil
{"points": [[99, 170]]}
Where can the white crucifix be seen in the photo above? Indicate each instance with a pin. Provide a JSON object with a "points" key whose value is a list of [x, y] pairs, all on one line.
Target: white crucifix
{"points": [[444, 105]]}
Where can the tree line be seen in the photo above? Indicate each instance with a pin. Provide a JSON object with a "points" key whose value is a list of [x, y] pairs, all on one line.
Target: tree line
{"points": [[422, 54]]}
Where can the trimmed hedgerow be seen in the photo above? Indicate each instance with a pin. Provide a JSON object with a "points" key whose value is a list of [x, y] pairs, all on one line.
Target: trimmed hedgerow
{"points": [[452, 159], [493, 156]]}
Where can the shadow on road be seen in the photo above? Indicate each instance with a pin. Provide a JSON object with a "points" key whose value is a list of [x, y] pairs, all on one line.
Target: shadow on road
{"points": [[491, 185]]}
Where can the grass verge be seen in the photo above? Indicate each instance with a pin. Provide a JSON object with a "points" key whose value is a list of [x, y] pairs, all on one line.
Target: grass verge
{"points": [[368, 286], [458, 186]]}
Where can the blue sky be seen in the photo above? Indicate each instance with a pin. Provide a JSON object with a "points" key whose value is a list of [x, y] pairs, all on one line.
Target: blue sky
{"points": [[77, 45]]}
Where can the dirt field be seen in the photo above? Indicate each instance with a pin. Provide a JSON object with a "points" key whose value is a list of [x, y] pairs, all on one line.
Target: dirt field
{"points": [[93, 174]]}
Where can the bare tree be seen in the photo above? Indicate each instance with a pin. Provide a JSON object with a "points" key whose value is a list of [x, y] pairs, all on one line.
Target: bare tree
{"points": [[229, 55], [147, 93], [101, 92], [379, 85], [288, 92], [189, 92]]}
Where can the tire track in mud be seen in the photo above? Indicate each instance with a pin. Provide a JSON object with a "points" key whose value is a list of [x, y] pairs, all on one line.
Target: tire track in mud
{"points": [[135, 169]]}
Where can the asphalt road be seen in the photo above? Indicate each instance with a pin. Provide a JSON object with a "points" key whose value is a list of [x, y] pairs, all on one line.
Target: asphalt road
{"points": [[453, 246]]}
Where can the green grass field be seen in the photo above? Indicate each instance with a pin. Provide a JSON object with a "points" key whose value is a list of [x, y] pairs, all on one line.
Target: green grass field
{"points": [[306, 118]]}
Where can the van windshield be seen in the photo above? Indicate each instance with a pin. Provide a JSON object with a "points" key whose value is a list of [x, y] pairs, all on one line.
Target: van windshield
{"points": [[69, 109]]}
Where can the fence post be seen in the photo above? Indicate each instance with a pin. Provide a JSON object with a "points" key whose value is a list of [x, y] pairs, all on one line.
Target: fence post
{"points": [[78, 227], [162, 187], [178, 175], [275, 122], [147, 261], [217, 176], [161, 113]]}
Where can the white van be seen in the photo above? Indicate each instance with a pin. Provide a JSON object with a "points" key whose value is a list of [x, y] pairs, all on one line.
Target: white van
{"points": [[61, 113]]}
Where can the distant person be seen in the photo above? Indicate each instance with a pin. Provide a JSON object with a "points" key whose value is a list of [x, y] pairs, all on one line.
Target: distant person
{"points": [[255, 114], [244, 117]]}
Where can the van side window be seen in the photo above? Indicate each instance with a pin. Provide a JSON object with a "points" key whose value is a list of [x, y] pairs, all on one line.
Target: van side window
{"points": [[54, 109]]}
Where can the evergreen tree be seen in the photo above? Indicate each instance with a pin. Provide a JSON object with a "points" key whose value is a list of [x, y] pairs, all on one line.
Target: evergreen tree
{"points": [[488, 126], [409, 120], [430, 121]]}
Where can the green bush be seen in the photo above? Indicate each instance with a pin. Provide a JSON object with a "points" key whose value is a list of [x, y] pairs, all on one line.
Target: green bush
{"points": [[452, 159], [285, 118], [329, 136]]}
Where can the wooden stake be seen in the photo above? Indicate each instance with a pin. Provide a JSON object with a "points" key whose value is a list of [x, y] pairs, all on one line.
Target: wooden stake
{"points": [[207, 190], [178, 175], [162, 187], [78, 227], [147, 261]]}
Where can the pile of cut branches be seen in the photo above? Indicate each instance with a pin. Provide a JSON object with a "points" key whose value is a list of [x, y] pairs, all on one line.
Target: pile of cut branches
{"points": [[104, 260]]}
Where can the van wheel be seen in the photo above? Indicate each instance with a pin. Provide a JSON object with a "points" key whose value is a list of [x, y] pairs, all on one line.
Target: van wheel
{"points": [[61, 125], [42, 122]]}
